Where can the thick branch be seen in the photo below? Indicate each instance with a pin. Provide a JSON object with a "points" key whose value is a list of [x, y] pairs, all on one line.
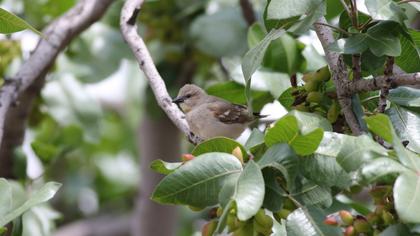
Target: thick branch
{"points": [[339, 74], [58, 35], [377, 83], [129, 31]]}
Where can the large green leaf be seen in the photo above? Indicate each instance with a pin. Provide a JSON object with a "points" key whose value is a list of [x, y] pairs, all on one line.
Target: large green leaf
{"points": [[41, 195], [380, 167], [286, 130], [382, 39], [381, 125], [221, 33], [274, 194], [407, 197], [10, 23], [218, 144], [385, 10], [313, 194], [308, 122], [407, 126], [283, 9], [255, 139], [325, 171], [250, 190], [309, 222], [164, 167], [6, 197], [350, 152], [405, 96], [409, 61], [312, 15], [197, 182]]}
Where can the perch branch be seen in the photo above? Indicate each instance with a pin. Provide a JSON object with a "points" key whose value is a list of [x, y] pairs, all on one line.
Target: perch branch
{"points": [[128, 27], [385, 88], [57, 36], [339, 74]]}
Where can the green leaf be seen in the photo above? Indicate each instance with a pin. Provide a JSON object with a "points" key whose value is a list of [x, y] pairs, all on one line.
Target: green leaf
{"points": [[253, 58], [308, 122], [287, 50], [218, 144], [283, 9], [283, 130], [274, 194], [314, 195], [10, 23], [407, 196], [45, 151], [384, 39], [197, 183], [325, 171], [286, 130], [350, 152], [255, 139], [164, 167], [309, 221], [286, 99], [396, 229], [405, 96], [6, 197], [307, 144], [356, 43], [312, 15], [378, 168], [407, 126], [380, 125], [385, 10], [41, 195], [256, 33], [249, 195], [221, 33], [409, 60], [279, 153]]}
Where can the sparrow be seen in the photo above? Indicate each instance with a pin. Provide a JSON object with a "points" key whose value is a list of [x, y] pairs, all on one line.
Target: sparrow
{"points": [[209, 116]]}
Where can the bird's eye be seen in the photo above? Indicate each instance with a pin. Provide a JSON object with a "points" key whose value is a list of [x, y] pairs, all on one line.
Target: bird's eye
{"points": [[188, 95]]}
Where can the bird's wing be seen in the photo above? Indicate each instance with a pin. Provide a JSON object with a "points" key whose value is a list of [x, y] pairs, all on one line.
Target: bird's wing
{"points": [[230, 113]]}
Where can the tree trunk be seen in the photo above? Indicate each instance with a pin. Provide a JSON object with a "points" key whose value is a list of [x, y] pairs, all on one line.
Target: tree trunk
{"points": [[158, 139]]}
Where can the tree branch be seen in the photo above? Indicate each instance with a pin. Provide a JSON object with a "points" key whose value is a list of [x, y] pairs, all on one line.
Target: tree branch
{"points": [[129, 31], [247, 11], [57, 36], [385, 88], [377, 83], [339, 74]]}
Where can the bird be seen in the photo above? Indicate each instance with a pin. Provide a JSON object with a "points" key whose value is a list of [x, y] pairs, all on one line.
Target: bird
{"points": [[209, 116]]}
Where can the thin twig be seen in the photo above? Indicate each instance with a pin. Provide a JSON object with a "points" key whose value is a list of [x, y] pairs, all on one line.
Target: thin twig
{"points": [[247, 11], [346, 7], [129, 31]]}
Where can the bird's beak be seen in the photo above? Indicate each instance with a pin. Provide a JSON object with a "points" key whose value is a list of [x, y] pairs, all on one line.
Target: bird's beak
{"points": [[178, 100]]}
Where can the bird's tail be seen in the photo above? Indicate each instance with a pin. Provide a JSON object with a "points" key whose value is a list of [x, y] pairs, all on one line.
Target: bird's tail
{"points": [[258, 115]]}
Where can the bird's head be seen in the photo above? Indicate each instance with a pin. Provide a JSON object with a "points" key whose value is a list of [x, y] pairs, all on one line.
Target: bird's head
{"points": [[189, 96]]}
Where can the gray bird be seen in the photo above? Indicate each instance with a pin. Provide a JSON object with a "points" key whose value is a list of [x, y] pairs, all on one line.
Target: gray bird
{"points": [[210, 116]]}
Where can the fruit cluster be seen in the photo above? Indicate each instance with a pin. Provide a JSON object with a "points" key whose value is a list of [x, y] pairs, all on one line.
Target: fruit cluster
{"points": [[373, 223], [261, 224], [317, 95]]}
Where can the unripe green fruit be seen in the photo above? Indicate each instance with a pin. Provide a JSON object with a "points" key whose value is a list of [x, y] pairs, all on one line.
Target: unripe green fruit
{"points": [[311, 86], [234, 223], [282, 214], [193, 208], [302, 107], [372, 218], [263, 219], [246, 230], [219, 211], [209, 228], [346, 217], [322, 74], [387, 217], [308, 77], [315, 97], [362, 226], [333, 112], [266, 231]]}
